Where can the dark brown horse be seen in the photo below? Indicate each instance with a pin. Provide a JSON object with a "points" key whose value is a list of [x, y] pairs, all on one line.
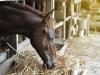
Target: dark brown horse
{"points": [[17, 18]]}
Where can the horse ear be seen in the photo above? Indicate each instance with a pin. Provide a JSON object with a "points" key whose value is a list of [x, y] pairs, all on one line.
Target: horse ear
{"points": [[48, 15]]}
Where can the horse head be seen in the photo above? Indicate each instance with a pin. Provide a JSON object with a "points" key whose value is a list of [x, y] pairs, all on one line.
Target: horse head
{"points": [[17, 18], [43, 38]]}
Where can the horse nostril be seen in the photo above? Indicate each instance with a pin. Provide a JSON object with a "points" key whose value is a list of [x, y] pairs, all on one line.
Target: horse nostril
{"points": [[51, 38], [48, 66]]}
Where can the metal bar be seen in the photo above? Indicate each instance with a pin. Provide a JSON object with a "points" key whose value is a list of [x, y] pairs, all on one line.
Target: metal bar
{"points": [[53, 7], [61, 23], [58, 25], [16, 41], [69, 17], [64, 27], [16, 1], [23, 1], [33, 3]]}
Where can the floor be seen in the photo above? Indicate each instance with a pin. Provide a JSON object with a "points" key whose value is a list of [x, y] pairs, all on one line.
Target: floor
{"points": [[89, 49]]}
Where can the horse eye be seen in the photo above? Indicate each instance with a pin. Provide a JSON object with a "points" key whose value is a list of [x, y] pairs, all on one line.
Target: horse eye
{"points": [[50, 38], [48, 33]]}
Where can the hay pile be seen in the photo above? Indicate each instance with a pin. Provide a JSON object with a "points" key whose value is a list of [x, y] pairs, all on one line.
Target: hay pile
{"points": [[29, 63]]}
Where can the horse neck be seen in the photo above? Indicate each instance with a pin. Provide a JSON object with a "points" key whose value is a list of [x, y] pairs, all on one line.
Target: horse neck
{"points": [[23, 7]]}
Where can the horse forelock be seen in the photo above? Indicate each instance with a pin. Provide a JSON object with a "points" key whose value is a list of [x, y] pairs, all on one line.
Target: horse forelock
{"points": [[51, 22]]}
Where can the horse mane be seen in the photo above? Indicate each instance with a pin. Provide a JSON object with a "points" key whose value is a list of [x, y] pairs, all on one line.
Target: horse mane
{"points": [[28, 8], [23, 7]]}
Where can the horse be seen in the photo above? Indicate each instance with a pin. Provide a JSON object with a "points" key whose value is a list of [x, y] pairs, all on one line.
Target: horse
{"points": [[16, 18]]}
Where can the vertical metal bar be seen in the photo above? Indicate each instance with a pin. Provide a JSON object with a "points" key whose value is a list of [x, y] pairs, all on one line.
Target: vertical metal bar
{"points": [[53, 7], [72, 8], [23, 1], [77, 9], [88, 18], [33, 3], [72, 17], [16, 1], [46, 6], [64, 16], [16, 41]]}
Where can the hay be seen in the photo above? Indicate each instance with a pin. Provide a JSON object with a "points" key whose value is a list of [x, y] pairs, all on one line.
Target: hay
{"points": [[29, 63]]}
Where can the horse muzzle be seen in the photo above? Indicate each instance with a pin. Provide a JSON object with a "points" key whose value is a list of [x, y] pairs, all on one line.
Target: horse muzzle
{"points": [[48, 65], [48, 62]]}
